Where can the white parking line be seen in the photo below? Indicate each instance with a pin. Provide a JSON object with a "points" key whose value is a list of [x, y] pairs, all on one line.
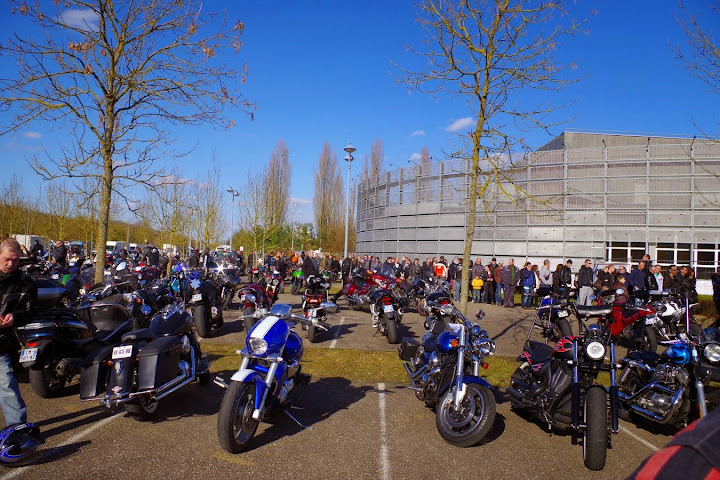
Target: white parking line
{"points": [[337, 333], [640, 439], [67, 442], [384, 458]]}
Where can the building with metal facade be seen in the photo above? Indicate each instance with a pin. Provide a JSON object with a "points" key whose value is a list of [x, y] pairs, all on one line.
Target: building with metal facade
{"points": [[607, 197]]}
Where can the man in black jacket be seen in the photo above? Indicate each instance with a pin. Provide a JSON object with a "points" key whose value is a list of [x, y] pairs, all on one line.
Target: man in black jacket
{"points": [[347, 266], [60, 253], [18, 294]]}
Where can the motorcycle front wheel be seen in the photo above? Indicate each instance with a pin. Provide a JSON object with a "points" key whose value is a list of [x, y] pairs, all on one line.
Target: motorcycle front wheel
{"points": [[236, 426], [295, 289], [467, 426], [199, 319], [596, 431]]}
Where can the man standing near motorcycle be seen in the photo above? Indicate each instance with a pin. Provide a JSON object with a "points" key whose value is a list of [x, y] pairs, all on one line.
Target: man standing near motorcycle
{"points": [[59, 253], [310, 265], [347, 266], [510, 276], [18, 294]]}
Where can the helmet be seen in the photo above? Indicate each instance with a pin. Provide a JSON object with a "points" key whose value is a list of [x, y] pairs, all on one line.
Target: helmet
{"points": [[19, 443]]}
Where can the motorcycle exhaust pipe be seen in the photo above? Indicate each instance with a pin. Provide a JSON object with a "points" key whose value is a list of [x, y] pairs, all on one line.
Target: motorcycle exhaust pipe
{"points": [[68, 367]]}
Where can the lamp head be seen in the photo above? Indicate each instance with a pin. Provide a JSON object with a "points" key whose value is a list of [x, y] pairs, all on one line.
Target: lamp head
{"points": [[349, 149]]}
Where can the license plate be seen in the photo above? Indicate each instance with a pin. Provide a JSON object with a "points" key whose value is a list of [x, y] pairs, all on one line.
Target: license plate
{"points": [[28, 355], [388, 308], [196, 298], [563, 313], [650, 321], [124, 351]]}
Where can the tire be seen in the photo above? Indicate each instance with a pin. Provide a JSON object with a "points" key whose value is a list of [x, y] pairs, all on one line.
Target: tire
{"points": [[235, 425], [44, 382], [596, 431], [650, 339], [141, 408], [295, 289], [469, 426], [391, 331], [200, 321], [227, 295], [248, 322], [565, 328], [204, 378], [312, 333]]}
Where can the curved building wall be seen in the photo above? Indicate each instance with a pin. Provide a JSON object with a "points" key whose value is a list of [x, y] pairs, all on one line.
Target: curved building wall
{"points": [[608, 203]]}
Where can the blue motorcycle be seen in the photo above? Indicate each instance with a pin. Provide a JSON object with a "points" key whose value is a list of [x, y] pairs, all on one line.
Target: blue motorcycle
{"points": [[269, 371]]}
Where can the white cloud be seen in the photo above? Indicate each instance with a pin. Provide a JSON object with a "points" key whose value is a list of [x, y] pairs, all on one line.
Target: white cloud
{"points": [[460, 124], [80, 18], [415, 156], [32, 135], [300, 201], [418, 133]]}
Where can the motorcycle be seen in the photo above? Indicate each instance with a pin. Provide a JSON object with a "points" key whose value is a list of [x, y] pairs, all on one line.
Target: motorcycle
{"points": [[444, 372], [672, 310], [557, 384], [56, 342], [430, 287], [147, 365], [385, 313], [273, 285], [553, 317], [671, 388], [316, 306], [269, 371], [226, 279], [255, 273], [206, 304], [298, 279], [255, 303], [357, 290]]}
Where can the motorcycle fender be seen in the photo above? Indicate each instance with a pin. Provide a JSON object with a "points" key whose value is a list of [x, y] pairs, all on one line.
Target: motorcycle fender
{"points": [[247, 375], [479, 380], [41, 346]]}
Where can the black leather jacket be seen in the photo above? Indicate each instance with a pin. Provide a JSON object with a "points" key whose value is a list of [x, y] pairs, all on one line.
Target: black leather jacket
{"points": [[18, 295]]}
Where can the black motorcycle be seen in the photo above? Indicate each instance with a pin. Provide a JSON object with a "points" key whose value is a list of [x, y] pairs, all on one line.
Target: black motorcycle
{"points": [[553, 316], [386, 313], [557, 384], [206, 304], [444, 371], [56, 341], [147, 365]]}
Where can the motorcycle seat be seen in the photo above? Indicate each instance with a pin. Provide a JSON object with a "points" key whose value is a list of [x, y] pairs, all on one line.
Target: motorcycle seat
{"points": [[140, 334], [644, 356], [593, 311], [539, 352]]}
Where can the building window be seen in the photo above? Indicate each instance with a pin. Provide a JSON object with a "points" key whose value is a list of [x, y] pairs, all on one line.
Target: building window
{"points": [[625, 252]]}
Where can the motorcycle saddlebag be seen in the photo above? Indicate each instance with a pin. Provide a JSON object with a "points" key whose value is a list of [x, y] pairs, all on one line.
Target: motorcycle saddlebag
{"points": [[408, 349], [94, 372], [158, 362]]}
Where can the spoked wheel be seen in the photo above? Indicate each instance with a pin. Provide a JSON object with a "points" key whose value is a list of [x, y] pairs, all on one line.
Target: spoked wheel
{"points": [[235, 426], [143, 407], [467, 426], [595, 435]]}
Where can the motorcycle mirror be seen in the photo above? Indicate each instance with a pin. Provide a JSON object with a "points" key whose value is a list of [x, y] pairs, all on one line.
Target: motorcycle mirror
{"points": [[480, 315], [121, 266]]}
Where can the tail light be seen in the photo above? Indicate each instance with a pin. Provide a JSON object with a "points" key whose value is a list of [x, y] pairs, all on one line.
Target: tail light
{"points": [[32, 344], [445, 301], [386, 300]]}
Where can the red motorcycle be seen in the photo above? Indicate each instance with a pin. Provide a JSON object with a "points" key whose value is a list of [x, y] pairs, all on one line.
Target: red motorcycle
{"points": [[255, 302], [315, 305], [357, 289], [273, 285]]}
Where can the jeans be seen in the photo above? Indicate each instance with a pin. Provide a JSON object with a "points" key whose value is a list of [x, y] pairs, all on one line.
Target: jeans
{"points": [[11, 402], [498, 293], [527, 297], [458, 286], [477, 295], [584, 295]]}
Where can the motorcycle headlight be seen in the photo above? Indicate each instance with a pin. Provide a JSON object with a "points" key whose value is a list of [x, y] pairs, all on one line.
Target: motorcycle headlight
{"points": [[712, 352], [249, 297], [446, 309], [257, 346], [595, 350]]}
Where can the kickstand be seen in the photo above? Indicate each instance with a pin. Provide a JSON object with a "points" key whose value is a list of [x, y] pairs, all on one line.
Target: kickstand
{"points": [[286, 412]]}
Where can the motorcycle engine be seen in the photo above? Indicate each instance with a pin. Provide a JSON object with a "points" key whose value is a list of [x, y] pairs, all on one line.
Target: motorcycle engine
{"points": [[656, 402], [670, 375]]}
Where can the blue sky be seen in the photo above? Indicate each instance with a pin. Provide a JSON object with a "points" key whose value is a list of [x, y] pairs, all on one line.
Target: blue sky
{"points": [[323, 71]]}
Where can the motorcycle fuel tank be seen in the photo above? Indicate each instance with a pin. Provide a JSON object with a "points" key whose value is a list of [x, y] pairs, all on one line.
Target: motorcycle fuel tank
{"points": [[679, 353], [273, 330], [294, 347]]}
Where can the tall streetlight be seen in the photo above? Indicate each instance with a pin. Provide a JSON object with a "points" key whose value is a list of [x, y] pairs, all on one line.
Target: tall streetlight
{"points": [[234, 194], [348, 158], [292, 231]]}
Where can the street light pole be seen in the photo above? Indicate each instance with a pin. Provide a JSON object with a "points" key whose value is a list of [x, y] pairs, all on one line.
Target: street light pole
{"points": [[234, 194], [348, 158], [292, 231]]}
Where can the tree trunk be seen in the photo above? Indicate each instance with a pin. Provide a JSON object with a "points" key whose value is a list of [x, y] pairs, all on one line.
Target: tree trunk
{"points": [[105, 198], [470, 226]]}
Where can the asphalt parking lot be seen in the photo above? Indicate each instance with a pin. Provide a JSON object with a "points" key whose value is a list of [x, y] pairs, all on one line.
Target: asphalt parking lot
{"points": [[357, 430]]}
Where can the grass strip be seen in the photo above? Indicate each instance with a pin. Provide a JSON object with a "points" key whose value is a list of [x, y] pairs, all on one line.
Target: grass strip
{"points": [[366, 366]]}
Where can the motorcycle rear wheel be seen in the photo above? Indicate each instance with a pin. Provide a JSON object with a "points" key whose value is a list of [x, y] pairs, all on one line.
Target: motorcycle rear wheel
{"points": [[248, 322], [142, 408], [200, 321], [595, 435], [44, 382], [391, 331], [468, 426], [236, 426], [312, 333]]}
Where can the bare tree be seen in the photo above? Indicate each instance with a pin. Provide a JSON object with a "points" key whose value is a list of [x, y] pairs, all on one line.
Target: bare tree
{"points": [[276, 193], [328, 203], [59, 205], [488, 52], [14, 204], [115, 79], [208, 194], [377, 157], [702, 54]]}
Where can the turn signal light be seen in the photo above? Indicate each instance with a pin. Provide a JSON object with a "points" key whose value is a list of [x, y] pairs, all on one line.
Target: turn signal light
{"points": [[485, 365], [454, 342]]}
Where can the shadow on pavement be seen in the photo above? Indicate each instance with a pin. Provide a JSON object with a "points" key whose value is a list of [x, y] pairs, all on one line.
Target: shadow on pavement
{"points": [[56, 453], [89, 416]]}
